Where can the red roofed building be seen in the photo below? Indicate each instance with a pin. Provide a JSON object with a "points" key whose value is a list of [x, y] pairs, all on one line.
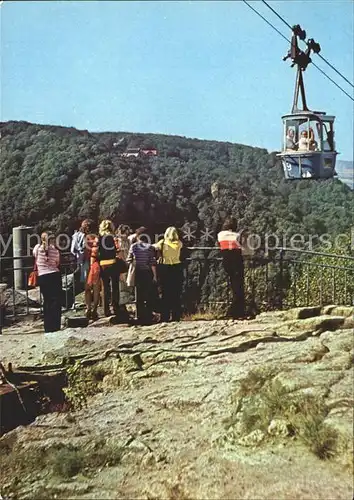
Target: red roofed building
{"points": [[149, 152]]}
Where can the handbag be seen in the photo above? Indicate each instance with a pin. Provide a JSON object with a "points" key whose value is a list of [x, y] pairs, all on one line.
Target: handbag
{"points": [[33, 277], [131, 274]]}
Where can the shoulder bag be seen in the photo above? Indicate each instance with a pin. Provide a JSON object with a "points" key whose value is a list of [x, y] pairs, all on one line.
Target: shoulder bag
{"points": [[131, 272], [33, 276]]}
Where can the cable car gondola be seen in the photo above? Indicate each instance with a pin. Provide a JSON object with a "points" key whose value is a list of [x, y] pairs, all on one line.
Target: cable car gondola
{"points": [[308, 150]]}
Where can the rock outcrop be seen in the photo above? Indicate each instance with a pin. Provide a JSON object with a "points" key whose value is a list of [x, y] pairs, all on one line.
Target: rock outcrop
{"points": [[207, 409]]}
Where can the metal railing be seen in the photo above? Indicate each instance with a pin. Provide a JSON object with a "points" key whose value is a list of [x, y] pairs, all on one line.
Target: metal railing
{"points": [[316, 280], [285, 278]]}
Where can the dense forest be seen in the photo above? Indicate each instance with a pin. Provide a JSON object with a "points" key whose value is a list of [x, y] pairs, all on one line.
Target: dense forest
{"points": [[52, 177], [345, 171]]}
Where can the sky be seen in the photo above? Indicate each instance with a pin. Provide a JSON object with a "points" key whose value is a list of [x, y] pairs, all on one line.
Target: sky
{"points": [[205, 69]]}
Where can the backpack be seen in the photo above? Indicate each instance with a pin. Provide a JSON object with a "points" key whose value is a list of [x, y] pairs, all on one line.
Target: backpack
{"points": [[78, 245], [106, 247]]}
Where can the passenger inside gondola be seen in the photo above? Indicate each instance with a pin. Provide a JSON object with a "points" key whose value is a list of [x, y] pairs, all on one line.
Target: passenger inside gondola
{"points": [[313, 145], [307, 141], [304, 141], [290, 139]]}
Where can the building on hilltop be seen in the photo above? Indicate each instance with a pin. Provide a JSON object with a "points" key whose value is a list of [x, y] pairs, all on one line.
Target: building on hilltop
{"points": [[149, 152], [136, 152], [132, 152]]}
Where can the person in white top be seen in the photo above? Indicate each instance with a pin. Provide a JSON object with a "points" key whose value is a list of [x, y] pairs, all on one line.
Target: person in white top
{"points": [[290, 139], [79, 248], [47, 259], [133, 238], [304, 142]]}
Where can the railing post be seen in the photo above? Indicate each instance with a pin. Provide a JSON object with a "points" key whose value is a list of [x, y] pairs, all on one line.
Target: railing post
{"points": [[345, 288], [2, 305], [74, 292], [20, 254], [184, 285], [307, 285], [14, 300], [66, 290], [267, 284], [136, 302], [282, 251], [27, 298]]}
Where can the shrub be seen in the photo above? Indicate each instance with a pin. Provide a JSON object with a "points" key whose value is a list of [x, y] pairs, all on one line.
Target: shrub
{"points": [[68, 462], [82, 384], [260, 398]]}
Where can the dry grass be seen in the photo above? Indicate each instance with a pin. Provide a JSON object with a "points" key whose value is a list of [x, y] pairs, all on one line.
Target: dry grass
{"points": [[84, 382], [207, 313], [254, 381], [260, 399], [67, 462], [320, 438], [171, 491], [202, 316], [21, 465]]}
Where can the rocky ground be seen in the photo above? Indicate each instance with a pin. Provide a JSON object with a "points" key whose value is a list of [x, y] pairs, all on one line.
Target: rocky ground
{"points": [[260, 409]]}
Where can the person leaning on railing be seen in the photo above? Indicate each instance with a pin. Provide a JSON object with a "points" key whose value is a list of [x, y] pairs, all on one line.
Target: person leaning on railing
{"points": [[93, 281], [47, 258], [231, 252], [105, 251], [170, 274], [143, 254], [78, 248], [125, 292]]}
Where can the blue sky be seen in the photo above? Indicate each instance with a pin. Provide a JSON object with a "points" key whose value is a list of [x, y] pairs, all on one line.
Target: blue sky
{"points": [[211, 70]]}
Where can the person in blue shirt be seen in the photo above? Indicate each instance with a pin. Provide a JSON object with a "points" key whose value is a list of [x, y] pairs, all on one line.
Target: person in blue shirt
{"points": [[143, 254]]}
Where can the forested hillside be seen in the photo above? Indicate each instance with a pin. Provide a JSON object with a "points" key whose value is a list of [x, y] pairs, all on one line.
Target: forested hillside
{"points": [[51, 177], [345, 170]]}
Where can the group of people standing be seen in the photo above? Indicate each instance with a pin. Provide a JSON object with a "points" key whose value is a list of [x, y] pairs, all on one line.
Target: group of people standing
{"points": [[118, 260], [115, 261]]}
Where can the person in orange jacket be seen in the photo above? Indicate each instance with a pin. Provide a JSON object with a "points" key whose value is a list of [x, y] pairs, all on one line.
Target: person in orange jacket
{"points": [[105, 252]]}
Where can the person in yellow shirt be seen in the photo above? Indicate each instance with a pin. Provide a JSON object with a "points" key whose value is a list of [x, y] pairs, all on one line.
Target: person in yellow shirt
{"points": [[170, 274]]}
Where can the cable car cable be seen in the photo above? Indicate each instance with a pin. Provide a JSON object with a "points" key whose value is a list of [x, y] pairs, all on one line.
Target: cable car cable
{"points": [[335, 83], [285, 38], [319, 55], [264, 19], [278, 15], [339, 73]]}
